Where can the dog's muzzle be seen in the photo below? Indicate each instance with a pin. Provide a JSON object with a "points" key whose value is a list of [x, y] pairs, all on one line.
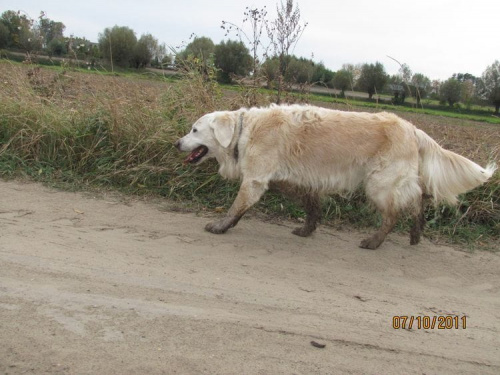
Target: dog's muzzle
{"points": [[195, 155]]}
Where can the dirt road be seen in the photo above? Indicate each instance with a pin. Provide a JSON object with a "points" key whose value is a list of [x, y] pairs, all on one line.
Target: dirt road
{"points": [[114, 285]]}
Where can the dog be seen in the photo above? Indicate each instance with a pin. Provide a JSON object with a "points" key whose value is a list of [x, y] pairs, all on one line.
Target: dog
{"points": [[309, 151]]}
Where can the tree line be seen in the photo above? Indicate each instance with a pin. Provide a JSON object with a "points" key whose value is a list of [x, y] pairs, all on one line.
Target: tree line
{"points": [[118, 45], [274, 62], [460, 89]]}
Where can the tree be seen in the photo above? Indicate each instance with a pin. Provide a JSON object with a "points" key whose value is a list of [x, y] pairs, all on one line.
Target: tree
{"points": [[30, 39], [372, 78], [14, 23], [450, 91], [468, 88], [57, 47], [270, 70], [420, 86], [405, 73], [232, 58], [50, 30], [355, 71], [117, 45], [4, 35], [20, 31], [80, 48], [201, 48], [300, 70], [342, 80], [145, 50], [160, 57], [284, 33], [490, 85], [462, 77], [322, 75], [435, 85], [162, 60], [200, 51], [258, 22], [468, 93]]}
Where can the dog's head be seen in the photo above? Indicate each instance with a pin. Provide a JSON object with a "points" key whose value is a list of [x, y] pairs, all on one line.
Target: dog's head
{"points": [[210, 135]]}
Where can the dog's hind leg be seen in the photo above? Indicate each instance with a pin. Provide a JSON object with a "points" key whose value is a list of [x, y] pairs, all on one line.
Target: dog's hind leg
{"points": [[381, 190], [311, 202], [249, 194], [393, 189], [312, 206], [418, 221], [389, 219]]}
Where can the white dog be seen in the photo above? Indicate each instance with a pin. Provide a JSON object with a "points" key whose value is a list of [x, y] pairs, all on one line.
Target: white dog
{"points": [[310, 151]]}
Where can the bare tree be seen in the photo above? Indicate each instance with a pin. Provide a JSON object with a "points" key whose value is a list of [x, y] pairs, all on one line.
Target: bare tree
{"points": [[284, 33], [257, 19]]}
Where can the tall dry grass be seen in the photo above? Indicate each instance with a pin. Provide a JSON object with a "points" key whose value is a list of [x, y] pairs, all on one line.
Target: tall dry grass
{"points": [[118, 131], [99, 129]]}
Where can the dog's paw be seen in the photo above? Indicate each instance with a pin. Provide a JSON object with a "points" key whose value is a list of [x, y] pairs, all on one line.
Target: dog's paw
{"points": [[302, 232], [414, 240], [216, 227], [370, 243]]}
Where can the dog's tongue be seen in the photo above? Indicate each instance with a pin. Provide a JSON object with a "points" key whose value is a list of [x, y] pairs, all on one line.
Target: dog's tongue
{"points": [[194, 154]]}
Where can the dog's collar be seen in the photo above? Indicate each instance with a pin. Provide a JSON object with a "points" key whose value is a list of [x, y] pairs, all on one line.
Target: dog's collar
{"points": [[240, 129]]}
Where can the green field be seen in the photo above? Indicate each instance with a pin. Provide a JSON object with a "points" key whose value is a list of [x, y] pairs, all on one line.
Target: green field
{"points": [[99, 130]]}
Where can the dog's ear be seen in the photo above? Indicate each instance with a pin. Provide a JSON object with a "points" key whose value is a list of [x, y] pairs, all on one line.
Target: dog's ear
{"points": [[223, 126]]}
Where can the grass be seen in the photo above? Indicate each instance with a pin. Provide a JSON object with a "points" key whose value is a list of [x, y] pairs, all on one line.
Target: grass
{"points": [[69, 128], [428, 107], [479, 114], [104, 130]]}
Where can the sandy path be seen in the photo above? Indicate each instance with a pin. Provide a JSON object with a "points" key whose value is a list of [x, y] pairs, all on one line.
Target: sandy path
{"points": [[113, 285]]}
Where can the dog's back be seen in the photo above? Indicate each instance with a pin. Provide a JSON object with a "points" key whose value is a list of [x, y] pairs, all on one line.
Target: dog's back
{"points": [[328, 150]]}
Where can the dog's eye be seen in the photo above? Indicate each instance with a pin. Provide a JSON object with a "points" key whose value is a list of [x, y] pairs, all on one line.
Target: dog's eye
{"points": [[195, 130]]}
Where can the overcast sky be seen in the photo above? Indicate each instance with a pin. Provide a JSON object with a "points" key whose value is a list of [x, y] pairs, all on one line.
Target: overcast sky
{"points": [[434, 37]]}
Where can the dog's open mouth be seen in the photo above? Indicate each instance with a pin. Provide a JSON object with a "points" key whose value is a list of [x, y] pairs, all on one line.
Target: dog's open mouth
{"points": [[196, 155]]}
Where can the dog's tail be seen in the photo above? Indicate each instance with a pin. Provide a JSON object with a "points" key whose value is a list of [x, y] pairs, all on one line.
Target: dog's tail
{"points": [[446, 174]]}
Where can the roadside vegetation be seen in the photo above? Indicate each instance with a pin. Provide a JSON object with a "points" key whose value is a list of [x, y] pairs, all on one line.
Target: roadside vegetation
{"points": [[99, 116]]}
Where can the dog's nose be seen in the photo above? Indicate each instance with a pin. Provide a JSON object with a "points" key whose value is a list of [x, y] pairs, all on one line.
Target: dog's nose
{"points": [[177, 144]]}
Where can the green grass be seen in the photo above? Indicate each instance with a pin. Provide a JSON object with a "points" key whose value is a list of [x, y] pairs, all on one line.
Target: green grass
{"points": [[480, 115], [76, 129], [428, 107]]}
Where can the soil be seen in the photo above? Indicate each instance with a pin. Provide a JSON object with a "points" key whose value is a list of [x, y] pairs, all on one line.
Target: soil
{"points": [[119, 285]]}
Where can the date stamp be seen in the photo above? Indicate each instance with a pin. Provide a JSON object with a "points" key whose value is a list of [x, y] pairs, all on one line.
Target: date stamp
{"points": [[429, 322]]}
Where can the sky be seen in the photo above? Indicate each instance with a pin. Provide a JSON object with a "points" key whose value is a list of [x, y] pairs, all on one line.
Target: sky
{"points": [[434, 37]]}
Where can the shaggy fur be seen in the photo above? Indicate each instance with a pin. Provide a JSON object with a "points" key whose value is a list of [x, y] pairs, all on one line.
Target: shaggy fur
{"points": [[310, 151]]}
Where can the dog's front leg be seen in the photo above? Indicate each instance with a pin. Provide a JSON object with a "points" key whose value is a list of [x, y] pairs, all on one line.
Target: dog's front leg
{"points": [[249, 194]]}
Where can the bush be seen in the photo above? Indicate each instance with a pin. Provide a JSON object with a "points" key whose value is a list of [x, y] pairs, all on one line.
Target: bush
{"points": [[372, 79], [57, 47], [232, 59], [118, 45], [450, 91]]}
